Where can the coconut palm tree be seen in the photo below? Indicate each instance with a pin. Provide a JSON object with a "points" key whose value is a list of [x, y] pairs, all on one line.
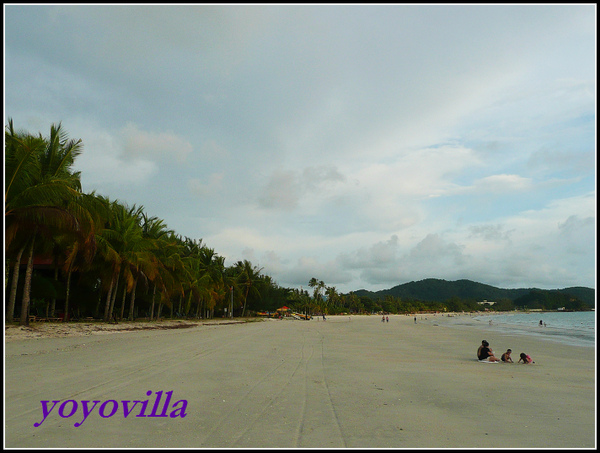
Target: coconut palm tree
{"points": [[210, 284], [135, 253], [39, 184], [164, 258], [248, 278]]}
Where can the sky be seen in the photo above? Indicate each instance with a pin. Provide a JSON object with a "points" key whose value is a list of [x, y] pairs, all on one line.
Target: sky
{"points": [[366, 146]]}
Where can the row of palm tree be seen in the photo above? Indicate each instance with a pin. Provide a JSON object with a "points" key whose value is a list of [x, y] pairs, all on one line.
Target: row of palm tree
{"points": [[117, 247]]}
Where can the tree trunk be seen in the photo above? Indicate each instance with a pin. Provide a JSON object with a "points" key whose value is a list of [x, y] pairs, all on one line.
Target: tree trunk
{"points": [[123, 301], [152, 306], [131, 304], [27, 286], [13, 287], [67, 293], [97, 309], [108, 299], [113, 298], [245, 301], [53, 302]]}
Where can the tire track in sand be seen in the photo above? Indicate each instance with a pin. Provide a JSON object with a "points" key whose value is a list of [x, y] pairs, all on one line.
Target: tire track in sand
{"points": [[320, 425], [244, 404]]}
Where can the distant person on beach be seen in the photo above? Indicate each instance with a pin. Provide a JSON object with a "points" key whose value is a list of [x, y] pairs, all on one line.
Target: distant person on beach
{"points": [[525, 358], [485, 352], [415, 319], [387, 319], [506, 356], [541, 323]]}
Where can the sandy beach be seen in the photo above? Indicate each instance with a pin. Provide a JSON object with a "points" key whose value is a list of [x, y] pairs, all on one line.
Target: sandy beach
{"points": [[348, 382]]}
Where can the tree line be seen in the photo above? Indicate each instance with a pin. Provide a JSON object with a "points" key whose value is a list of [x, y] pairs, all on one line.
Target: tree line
{"points": [[109, 260], [105, 257]]}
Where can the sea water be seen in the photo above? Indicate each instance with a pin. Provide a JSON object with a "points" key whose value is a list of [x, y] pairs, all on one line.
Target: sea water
{"points": [[575, 328]]}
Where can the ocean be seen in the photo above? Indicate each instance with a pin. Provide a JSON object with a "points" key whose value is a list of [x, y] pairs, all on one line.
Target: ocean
{"points": [[574, 328]]}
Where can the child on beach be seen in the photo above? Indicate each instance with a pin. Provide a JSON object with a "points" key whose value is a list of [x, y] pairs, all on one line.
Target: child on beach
{"points": [[506, 356], [525, 358]]}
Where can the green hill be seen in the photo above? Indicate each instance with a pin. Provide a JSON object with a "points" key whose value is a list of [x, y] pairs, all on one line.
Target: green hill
{"points": [[437, 290]]}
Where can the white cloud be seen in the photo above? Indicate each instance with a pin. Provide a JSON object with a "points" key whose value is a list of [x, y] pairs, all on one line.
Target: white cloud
{"points": [[286, 189], [104, 165], [211, 186], [162, 146], [503, 184], [282, 191]]}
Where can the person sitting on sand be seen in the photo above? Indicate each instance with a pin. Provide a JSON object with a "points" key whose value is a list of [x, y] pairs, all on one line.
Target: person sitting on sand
{"points": [[525, 358], [485, 352], [506, 356]]}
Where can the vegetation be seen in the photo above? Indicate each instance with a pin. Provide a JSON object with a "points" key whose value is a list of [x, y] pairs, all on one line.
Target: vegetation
{"points": [[465, 293], [73, 255]]}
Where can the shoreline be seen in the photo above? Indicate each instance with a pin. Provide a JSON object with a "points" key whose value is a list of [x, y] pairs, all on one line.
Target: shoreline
{"points": [[347, 382], [582, 335], [13, 331]]}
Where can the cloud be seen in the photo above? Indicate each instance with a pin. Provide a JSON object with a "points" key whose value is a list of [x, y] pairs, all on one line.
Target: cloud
{"points": [[435, 252], [282, 191], [285, 189], [162, 146], [202, 188], [380, 254], [104, 165], [370, 143], [503, 184], [307, 267], [572, 162], [492, 233]]}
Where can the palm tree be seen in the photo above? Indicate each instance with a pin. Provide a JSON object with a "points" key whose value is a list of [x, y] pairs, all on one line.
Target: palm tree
{"points": [[39, 184], [164, 256], [248, 277], [332, 297], [209, 275], [122, 245], [100, 213], [135, 253]]}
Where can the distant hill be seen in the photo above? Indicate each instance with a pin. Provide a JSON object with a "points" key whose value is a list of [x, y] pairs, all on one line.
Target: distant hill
{"points": [[437, 290]]}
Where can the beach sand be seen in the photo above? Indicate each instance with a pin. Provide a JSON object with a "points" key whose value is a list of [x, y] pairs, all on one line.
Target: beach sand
{"points": [[348, 382]]}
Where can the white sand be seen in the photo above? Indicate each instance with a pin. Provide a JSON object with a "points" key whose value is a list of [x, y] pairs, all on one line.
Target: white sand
{"points": [[346, 382]]}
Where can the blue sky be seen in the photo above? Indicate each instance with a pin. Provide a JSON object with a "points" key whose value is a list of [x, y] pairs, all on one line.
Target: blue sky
{"points": [[364, 145]]}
